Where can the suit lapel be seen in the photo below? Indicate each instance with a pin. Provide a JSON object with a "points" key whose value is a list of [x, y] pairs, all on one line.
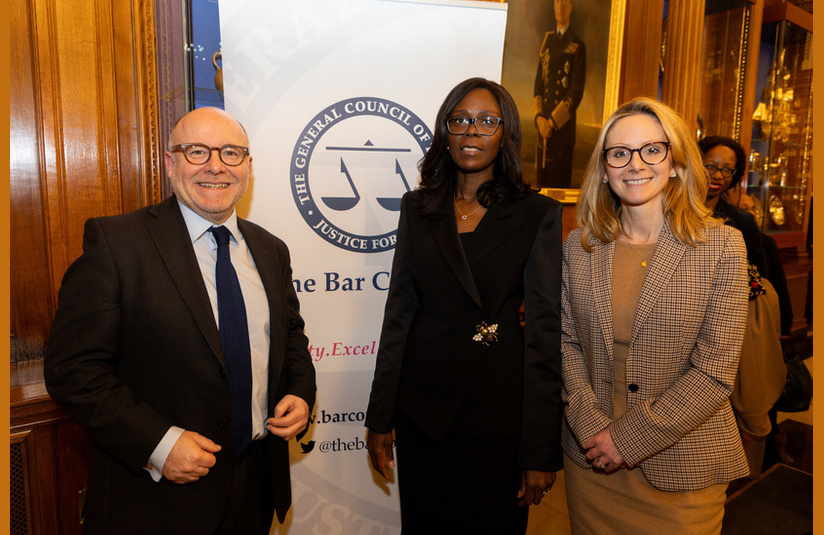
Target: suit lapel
{"points": [[498, 224], [667, 257], [167, 229], [445, 232], [268, 267], [601, 276]]}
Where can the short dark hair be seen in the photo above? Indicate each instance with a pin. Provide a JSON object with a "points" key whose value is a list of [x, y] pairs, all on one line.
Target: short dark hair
{"points": [[438, 171], [710, 142]]}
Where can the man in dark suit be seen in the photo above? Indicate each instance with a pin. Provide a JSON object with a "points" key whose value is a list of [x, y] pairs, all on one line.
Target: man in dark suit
{"points": [[140, 356], [559, 86]]}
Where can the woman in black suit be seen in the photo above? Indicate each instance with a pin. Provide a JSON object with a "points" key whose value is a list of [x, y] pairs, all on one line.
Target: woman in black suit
{"points": [[472, 395], [725, 162]]}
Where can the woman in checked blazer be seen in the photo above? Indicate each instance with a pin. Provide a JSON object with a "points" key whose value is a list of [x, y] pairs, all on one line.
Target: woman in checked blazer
{"points": [[654, 301]]}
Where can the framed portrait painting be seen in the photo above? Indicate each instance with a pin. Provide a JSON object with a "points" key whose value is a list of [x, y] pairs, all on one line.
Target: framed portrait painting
{"points": [[561, 63]]}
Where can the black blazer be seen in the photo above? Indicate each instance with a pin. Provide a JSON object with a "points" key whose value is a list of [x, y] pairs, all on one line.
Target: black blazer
{"points": [[428, 365], [744, 222], [135, 349]]}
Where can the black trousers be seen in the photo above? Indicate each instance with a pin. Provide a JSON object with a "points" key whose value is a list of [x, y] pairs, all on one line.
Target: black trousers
{"points": [[464, 485], [250, 508]]}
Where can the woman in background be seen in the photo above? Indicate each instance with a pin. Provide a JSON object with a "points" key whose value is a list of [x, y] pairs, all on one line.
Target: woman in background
{"points": [[654, 307], [726, 162], [473, 398], [762, 373]]}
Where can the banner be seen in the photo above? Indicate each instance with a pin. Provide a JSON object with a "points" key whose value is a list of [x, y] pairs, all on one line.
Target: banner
{"points": [[339, 99]]}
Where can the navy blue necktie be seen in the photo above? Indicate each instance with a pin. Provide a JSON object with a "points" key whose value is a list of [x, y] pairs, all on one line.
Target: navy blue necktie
{"points": [[234, 336]]}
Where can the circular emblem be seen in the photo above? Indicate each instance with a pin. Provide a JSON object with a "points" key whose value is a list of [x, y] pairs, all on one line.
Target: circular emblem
{"points": [[350, 167]]}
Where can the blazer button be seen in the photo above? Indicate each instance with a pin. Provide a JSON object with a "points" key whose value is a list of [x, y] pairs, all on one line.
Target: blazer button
{"points": [[224, 422], [632, 387], [221, 372]]}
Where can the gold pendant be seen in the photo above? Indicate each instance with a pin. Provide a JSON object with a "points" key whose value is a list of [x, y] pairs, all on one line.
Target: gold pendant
{"points": [[644, 263], [486, 333]]}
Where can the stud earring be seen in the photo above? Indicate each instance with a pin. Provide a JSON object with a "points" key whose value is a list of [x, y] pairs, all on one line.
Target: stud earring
{"points": [[604, 180], [673, 174]]}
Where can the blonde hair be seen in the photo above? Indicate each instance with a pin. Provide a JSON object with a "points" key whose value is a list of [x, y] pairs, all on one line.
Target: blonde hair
{"points": [[599, 209]]}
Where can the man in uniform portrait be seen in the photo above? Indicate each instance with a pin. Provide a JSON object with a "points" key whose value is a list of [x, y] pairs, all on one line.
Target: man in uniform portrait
{"points": [[559, 86]]}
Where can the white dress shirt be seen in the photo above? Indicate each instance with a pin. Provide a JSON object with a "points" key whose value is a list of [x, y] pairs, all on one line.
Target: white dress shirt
{"points": [[257, 314]]}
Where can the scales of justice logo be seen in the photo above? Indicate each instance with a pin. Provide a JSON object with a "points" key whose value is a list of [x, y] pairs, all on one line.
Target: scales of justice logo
{"points": [[350, 167]]}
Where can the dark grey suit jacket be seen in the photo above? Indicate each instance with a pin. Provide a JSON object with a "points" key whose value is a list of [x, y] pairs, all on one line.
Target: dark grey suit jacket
{"points": [[428, 365], [135, 349]]}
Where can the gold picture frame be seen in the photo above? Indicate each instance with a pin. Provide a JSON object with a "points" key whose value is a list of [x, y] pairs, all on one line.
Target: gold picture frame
{"points": [[527, 23]]}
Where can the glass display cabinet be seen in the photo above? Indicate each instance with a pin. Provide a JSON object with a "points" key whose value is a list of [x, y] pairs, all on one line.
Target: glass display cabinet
{"points": [[725, 53], [780, 175]]}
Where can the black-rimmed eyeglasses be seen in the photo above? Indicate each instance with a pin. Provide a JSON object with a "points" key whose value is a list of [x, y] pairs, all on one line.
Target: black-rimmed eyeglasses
{"points": [[198, 153], [486, 125], [651, 154], [726, 172]]}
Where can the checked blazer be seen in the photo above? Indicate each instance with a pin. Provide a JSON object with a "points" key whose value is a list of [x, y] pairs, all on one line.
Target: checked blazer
{"points": [[681, 364]]}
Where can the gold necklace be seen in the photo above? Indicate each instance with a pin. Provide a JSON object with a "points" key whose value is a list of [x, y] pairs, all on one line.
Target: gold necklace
{"points": [[463, 217], [637, 254]]}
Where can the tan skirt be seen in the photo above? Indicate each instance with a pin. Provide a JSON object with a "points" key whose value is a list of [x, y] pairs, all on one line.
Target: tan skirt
{"points": [[624, 502]]}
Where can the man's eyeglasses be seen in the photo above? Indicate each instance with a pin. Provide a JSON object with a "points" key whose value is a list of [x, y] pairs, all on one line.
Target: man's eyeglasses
{"points": [[651, 154], [486, 125], [198, 153], [726, 172]]}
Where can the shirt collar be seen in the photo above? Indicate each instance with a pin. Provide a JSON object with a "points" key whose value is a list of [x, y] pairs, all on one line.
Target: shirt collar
{"points": [[197, 225]]}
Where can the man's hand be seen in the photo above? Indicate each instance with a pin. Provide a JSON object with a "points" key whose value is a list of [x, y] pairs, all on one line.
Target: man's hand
{"points": [[291, 417], [534, 486], [543, 126], [190, 459], [380, 451]]}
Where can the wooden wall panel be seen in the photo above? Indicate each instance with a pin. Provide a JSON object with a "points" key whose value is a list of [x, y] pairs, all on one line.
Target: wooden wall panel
{"points": [[642, 49], [54, 453], [78, 96], [29, 267], [84, 139], [139, 122], [171, 69], [680, 88]]}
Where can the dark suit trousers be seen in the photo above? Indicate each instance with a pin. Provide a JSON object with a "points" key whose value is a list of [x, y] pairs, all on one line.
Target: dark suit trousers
{"points": [[465, 485], [250, 508]]}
